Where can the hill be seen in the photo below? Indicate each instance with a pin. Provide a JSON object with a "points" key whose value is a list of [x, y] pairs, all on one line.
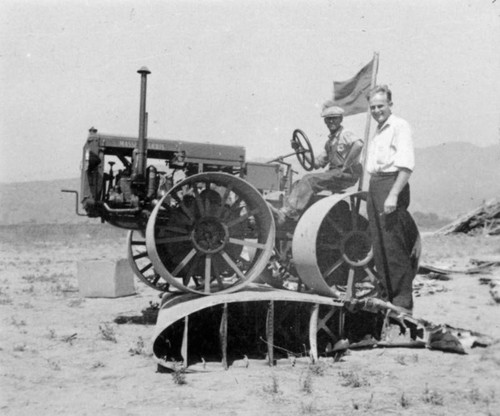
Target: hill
{"points": [[450, 179], [40, 202], [454, 178]]}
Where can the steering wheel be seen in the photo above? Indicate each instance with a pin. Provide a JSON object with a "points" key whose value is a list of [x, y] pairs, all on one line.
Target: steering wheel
{"points": [[303, 149]]}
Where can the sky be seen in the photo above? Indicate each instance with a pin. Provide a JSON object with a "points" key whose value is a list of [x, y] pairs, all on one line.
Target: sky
{"points": [[235, 72]]}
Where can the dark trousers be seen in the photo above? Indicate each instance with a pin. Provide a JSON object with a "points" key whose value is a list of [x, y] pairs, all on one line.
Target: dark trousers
{"points": [[395, 239], [331, 180]]}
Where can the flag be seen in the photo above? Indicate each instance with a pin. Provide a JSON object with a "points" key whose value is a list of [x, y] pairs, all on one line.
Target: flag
{"points": [[351, 94]]}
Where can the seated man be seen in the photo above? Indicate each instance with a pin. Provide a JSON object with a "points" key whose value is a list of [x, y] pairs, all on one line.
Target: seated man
{"points": [[342, 150]]}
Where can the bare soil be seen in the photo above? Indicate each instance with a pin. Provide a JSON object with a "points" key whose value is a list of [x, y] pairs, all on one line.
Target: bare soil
{"points": [[61, 354]]}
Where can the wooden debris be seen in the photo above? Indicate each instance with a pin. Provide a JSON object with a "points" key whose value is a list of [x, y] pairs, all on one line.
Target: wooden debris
{"points": [[485, 218]]}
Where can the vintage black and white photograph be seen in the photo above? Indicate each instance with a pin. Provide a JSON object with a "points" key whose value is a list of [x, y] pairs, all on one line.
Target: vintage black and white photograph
{"points": [[249, 207]]}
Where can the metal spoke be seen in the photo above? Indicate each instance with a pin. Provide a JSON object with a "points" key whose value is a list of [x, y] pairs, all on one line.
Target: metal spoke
{"points": [[334, 225], [184, 262], [141, 255], [350, 284], [247, 243], [335, 266], [218, 275], [329, 246], [174, 229], [242, 218], [138, 243], [232, 264], [190, 272], [156, 278], [146, 268], [168, 240], [354, 214], [370, 273], [208, 272]]}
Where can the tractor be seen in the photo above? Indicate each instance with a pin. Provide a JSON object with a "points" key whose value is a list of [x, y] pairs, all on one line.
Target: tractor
{"points": [[199, 219]]}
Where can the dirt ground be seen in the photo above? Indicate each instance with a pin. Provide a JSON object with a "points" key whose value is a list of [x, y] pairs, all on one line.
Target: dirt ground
{"points": [[61, 354]]}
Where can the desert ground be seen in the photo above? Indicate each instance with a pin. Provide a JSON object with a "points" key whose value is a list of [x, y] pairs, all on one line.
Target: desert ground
{"points": [[61, 354]]}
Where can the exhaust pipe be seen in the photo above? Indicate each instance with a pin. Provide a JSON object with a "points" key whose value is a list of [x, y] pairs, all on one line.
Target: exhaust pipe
{"points": [[139, 165]]}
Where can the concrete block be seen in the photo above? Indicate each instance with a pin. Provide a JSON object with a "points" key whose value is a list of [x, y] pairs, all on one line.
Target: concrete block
{"points": [[105, 278]]}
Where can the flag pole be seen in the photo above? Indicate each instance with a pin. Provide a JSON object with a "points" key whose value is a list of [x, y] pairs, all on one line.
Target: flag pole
{"points": [[368, 120]]}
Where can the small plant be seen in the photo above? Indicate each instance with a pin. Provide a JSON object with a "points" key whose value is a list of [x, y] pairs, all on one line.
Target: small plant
{"points": [[139, 348], [20, 347], [404, 401], [307, 408], [69, 338], [75, 303], [98, 364], [17, 323], [317, 369], [108, 332], [401, 359], [352, 379], [5, 299], [30, 289], [432, 397], [54, 365], [51, 334], [179, 374], [306, 383], [274, 387]]}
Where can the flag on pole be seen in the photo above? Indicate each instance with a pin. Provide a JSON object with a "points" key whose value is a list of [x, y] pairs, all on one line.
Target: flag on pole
{"points": [[351, 94]]}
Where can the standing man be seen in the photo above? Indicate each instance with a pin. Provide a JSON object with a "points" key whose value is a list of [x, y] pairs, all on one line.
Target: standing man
{"points": [[341, 154], [390, 161]]}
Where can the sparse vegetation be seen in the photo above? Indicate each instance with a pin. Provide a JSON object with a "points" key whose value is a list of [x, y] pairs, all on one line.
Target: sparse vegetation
{"points": [[432, 397], [352, 379], [273, 387], [76, 303], [307, 408], [20, 347], [139, 348], [318, 368], [179, 374], [401, 359], [54, 365], [98, 364], [307, 383], [404, 401], [17, 322], [108, 332]]}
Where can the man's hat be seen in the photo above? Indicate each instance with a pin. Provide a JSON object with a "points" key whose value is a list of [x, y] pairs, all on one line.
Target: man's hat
{"points": [[332, 111]]}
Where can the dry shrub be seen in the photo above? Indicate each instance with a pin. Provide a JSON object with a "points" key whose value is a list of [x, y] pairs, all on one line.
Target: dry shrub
{"points": [[140, 348], [108, 332], [273, 387], [404, 401], [432, 397], [54, 365], [179, 374], [306, 383], [352, 379]]}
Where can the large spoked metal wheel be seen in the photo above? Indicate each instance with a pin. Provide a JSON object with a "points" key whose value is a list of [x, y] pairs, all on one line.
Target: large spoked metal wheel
{"points": [[303, 149], [140, 262], [332, 248], [211, 233]]}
